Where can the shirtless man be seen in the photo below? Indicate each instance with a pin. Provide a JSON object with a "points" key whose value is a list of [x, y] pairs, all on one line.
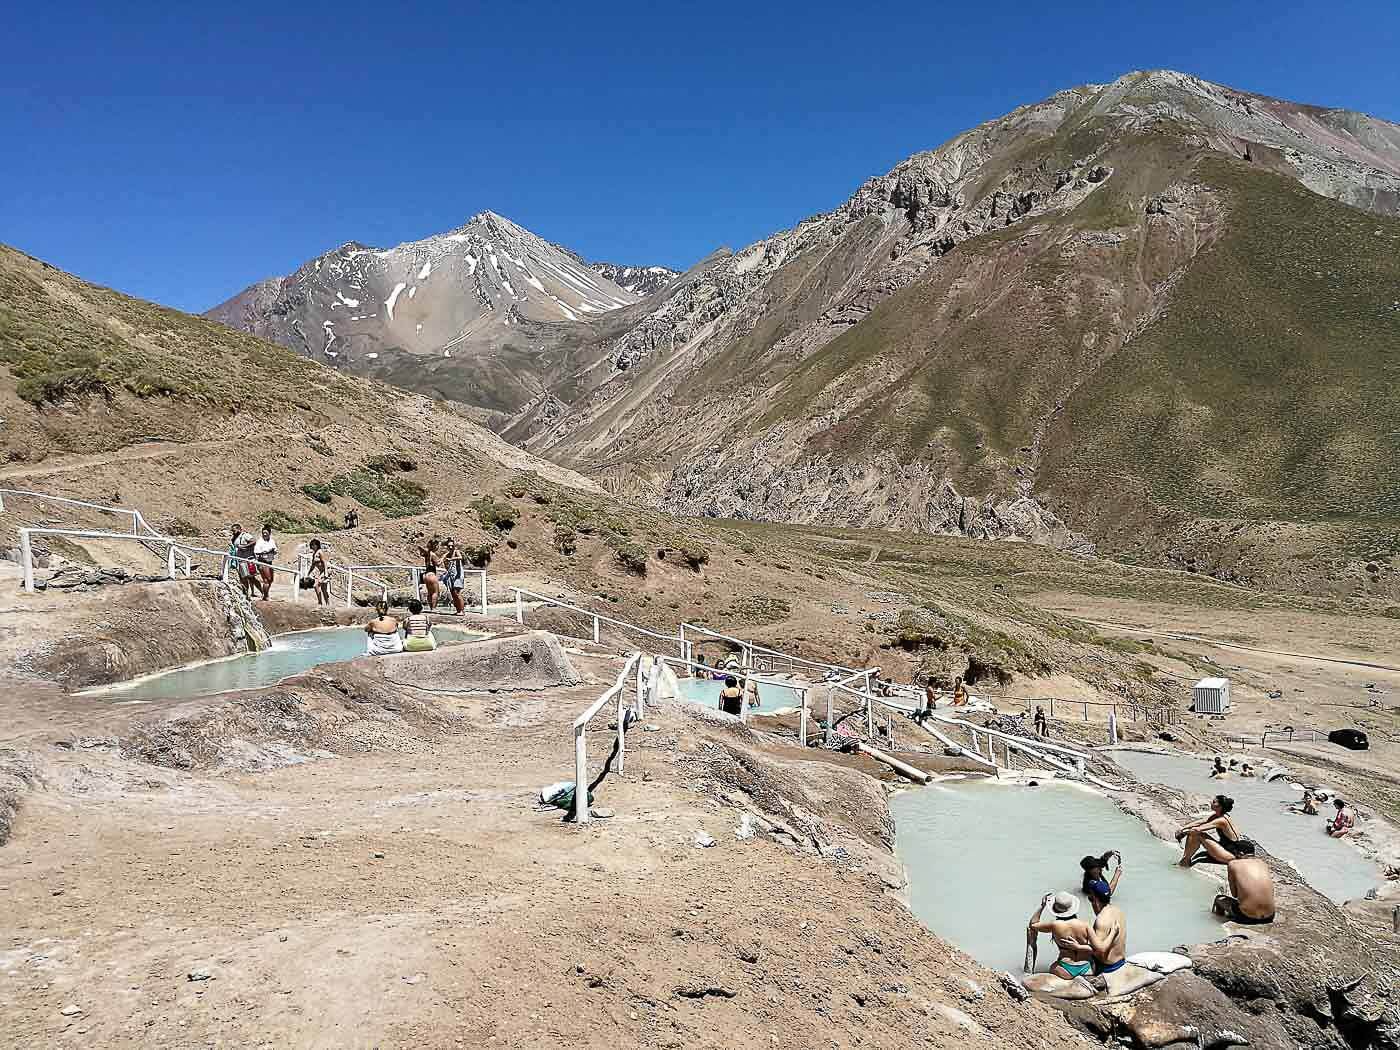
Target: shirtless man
{"points": [[1251, 897], [1108, 937], [1069, 932]]}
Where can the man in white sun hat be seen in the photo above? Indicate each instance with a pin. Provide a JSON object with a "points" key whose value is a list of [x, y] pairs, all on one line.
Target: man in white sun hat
{"points": [[1069, 932]]}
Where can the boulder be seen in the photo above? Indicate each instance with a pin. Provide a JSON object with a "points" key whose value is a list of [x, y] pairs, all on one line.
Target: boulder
{"points": [[534, 660]]}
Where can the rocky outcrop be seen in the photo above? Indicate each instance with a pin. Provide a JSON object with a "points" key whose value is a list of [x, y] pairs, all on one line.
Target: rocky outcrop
{"points": [[534, 660], [885, 494], [244, 626]]}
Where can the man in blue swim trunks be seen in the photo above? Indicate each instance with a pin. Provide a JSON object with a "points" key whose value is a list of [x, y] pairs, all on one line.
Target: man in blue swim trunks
{"points": [[1108, 936]]}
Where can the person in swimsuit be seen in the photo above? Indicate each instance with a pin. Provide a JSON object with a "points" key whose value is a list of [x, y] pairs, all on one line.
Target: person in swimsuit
{"points": [[1093, 868], [1108, 936], [240, 552], [1344, 822], [1069, 932], [455, 575], [265, 553], [1225, 847], [1308, 806], [1251, 897], [959, 693], [383, 632], [731, 697], [429, 577], [418, 630], [1218, 770], [1042, 727], [319, 574]]}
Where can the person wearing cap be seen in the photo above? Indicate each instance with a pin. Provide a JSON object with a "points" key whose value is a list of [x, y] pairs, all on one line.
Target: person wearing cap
{"points": [[1108, 936], [1093, 868], [1069, 932]]}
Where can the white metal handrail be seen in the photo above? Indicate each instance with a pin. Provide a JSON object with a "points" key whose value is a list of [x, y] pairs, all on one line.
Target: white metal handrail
{"points": [[580, 730], [598, 618], [749, 675], [753, 648]]}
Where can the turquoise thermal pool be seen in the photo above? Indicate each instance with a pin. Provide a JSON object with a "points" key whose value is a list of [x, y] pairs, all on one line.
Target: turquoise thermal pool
{"points": [[1333, 867], [770, 697], [290, 654], [980, 855]]}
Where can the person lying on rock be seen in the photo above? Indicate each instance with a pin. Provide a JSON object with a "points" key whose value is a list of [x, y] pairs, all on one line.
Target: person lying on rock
{"points": [[1227, 844], [1344, 822], [383, 632], [1069, 932], [1251, 897], [1108, 936]]}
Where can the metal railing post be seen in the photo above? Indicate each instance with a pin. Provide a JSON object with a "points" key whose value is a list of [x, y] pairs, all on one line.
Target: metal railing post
{"points": [[223, 575], [170, 562], [581, 814], [641, 699], [830, 695], [519, 607], [802, 720], [483, 592], [349, 587], [869, 718], [595, 630], [26, 559], [135, 522], [621, 730]]}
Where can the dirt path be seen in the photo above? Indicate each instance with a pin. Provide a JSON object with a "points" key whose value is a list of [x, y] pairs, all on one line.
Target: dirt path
{"points": [[1220, 643], [132, 453]]}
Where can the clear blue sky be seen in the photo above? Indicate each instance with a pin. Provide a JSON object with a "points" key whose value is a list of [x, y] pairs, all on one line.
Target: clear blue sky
{"points": [[180, 152]]}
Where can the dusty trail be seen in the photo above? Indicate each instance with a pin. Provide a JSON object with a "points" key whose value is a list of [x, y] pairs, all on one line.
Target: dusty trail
{"points": [[1222, 644], [154, 450]]}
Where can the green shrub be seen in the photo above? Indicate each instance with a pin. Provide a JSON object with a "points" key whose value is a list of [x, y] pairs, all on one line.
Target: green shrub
{"points": [[695, 555], [631, 556], [320, 491], [392, 463], [392, 497], [493, 514], [478, 556], [565, 539], [280, 521]]}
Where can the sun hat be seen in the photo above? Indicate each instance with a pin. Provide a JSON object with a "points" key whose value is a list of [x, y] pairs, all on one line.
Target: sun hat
{"points": [[1064, 905]]}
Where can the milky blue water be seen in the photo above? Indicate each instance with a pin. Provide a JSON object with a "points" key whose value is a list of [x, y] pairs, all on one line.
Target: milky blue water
{"points": [[1333, 867], [980, 855], [290, 654], [770, 697]]}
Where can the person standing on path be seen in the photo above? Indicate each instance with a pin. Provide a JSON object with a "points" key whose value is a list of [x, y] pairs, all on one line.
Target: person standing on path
{"points": [[1042, 726], [265, 553], [241, 551], [455, 575], [431, 564], [319, 574]]}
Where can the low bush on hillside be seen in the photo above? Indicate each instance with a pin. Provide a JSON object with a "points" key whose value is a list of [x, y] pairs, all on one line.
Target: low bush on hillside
{"points": [[495, 514], [181, 527], [631, 556], [565, 539], [478, 555], [393, 463], [320, 491], [393, 497]]}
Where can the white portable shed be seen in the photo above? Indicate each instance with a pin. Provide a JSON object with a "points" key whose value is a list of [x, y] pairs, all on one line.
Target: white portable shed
{"points": [[1211, 696]]}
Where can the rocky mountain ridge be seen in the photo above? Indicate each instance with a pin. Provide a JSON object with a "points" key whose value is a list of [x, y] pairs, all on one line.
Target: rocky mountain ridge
{"points": [[641, 280]]}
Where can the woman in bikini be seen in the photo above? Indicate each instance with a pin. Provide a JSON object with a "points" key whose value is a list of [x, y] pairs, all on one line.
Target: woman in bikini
{"points": [[431, 564], [319, 574], [1227, 845], [1343, 822]]}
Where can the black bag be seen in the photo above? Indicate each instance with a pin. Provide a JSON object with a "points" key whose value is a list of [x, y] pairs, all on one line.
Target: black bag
{"points": [[307, 583]]}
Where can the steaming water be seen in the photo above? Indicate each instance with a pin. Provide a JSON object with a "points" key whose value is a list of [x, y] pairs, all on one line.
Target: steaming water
{"points": [[1332, 867], [290, 654], [980, 855], [770, 697]]}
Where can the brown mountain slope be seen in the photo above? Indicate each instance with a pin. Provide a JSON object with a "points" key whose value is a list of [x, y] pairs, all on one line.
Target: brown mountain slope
{"points": [[946, 352]]}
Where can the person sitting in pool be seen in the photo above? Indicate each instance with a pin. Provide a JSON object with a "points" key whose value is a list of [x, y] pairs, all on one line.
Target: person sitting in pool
{"points": [[1251, 897], [731, 697], [1069, 932], [1093, 868], [1344, 822], [1218, 770], [383, 632], [1308, 806], [1225, 847], [418, 630], [1108, 936], [1246, 770]]}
